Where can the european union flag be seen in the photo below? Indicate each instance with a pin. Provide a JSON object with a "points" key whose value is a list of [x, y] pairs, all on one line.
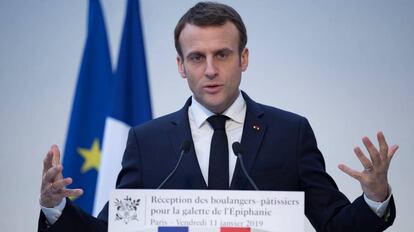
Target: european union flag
{"points": [[130, 103], [90, 107]]}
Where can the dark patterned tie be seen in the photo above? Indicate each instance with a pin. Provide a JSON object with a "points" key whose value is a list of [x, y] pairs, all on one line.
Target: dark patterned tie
{"points": [[218, 170]]}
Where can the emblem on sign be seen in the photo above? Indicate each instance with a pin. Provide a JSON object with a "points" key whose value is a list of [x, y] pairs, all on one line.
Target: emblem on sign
{"points": [[126, 209]]}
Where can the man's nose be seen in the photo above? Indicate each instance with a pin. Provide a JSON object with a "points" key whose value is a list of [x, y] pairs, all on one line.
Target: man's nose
{"points": [[211, 70]]}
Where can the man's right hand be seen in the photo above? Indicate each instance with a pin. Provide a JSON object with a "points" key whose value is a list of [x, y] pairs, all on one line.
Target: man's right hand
{"points": [[53, 188]]}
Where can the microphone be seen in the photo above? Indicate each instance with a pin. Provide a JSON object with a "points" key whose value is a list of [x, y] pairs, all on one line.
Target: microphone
{"points": [[238, 152], [185, 147]]}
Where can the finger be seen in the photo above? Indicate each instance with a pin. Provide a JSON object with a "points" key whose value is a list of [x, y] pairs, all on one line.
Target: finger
{"points": [[60, 184], [56, 155], [52, 173], [72, 192], [47, 161], [382, 145], [355, 174], [366, 163], [58, 196], [392, 151], [373, 152]]}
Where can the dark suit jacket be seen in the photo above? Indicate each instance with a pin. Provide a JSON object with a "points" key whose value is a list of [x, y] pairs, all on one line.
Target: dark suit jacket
{"points": [[281, 155]]}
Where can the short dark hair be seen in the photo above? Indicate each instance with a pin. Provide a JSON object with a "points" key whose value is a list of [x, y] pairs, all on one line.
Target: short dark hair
{"points": [[205, 14]]}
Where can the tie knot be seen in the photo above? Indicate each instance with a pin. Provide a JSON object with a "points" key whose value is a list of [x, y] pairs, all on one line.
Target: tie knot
{"points": [[218, 122]]}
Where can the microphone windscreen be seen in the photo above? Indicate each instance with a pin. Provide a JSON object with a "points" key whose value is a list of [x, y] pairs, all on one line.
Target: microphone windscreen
{"points": [[185, 146], [237, 148]]}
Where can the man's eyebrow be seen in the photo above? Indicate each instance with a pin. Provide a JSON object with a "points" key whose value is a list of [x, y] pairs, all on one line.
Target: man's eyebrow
{"points": [[194, 53], [226, 50], [221, 50]]}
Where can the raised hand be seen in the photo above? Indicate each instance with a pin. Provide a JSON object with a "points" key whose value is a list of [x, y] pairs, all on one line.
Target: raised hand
{"points": [[373, 178], [53, 188]]}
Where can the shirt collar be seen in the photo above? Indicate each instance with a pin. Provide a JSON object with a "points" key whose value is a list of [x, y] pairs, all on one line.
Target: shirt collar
{"points": [[234, 112]]}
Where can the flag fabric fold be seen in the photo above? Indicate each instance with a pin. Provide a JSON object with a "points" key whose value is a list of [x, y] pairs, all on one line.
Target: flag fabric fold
{"points": [[130, 103], [90, 107]]}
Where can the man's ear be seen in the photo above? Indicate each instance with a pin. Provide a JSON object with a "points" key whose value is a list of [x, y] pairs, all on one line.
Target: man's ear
{"points": [[181, 68], [244, 59]]}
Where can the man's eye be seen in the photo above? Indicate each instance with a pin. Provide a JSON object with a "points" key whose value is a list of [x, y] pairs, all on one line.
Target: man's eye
{"points": [[222, 55], [196, 58]]}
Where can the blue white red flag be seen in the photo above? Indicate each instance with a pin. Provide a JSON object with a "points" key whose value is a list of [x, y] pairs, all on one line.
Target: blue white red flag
{"points": [[130, 103]]}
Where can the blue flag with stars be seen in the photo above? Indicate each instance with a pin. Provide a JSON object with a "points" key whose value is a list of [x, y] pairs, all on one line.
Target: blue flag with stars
{"points": [[90, 107]]}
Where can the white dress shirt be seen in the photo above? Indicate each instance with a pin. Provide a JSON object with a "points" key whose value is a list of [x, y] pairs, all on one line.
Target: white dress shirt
{"points": [[202, 132]]}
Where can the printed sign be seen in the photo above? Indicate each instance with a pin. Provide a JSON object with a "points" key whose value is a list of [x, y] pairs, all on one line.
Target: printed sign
{"points": [[135, 210]]}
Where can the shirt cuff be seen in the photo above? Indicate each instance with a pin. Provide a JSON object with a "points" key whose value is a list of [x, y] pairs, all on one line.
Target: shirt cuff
{"points": [[379, 208], [53, 214]]}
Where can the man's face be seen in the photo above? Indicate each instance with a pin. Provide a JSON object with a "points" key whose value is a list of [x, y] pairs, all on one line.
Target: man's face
{"points": [[212, 64]]}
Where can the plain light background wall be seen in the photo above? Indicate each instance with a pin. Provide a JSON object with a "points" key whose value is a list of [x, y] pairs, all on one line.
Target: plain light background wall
{"points": [[348, 66]]}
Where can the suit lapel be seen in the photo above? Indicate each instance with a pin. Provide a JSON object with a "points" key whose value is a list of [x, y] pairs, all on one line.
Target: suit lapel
{"points": [[180, 132], [253, 133]]}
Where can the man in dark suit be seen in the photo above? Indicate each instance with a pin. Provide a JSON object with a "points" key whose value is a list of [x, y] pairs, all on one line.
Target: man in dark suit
{"points": [[279, 147]]}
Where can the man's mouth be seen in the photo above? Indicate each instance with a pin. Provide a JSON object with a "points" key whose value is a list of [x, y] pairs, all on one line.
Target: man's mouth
{"points": [[213, 88]]}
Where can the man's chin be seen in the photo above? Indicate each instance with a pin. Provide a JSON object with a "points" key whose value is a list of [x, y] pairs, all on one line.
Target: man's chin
{"points": [[216, 108]]}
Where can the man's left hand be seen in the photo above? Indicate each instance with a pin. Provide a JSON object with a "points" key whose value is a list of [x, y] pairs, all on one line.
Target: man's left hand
{"points": [[373, 178]]}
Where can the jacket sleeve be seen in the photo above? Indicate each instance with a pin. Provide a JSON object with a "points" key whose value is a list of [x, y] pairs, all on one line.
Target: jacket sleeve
{"points": [[325, 206], [75, 219], [72, 219]]}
